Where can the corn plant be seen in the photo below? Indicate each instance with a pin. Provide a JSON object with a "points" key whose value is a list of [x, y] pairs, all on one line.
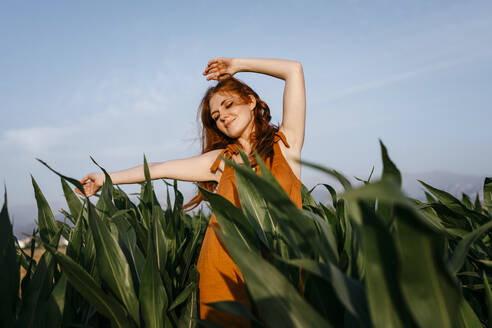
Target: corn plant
{"points": [[372, 257], [125, 265]]}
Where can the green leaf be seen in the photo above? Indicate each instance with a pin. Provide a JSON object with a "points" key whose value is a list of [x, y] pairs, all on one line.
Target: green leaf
{"points": [[382, 190], [56, 302], [231, 220], [350, 292], [147, 196], [460, 252], [291, 224], [46, 221], [104, 303], [73, 202], [429, 197], [307, 199], [76, 183], [36, 291], [189, 253], [386, 305], [9, 274], [447, 199], [337, 175], [488, 295], [465, 200], [105, 205], [74, 246], [487, 193], [477, 207], [183, 296], [153, 298], [112, 264], [333, 193], [430, 291], [327, 244], [190, 309], [254, 208], [390, 172], [159, 238], [279, 302], [234, 307], [466, 318]]}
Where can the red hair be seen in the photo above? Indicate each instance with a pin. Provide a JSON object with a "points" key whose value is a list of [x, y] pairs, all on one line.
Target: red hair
{"points": [[212, 138]]}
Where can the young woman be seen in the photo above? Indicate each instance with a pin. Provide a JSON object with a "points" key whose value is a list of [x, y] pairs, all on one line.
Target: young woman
{"points": [[233, 116]]}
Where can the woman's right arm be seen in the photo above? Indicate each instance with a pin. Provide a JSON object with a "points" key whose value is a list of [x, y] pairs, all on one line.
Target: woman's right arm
{"points": [[195, 168]]}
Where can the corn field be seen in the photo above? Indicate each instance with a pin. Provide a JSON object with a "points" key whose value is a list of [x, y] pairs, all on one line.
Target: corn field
{"points": [[372, 257]]}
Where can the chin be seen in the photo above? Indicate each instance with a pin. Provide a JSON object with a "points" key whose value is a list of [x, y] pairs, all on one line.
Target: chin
{"points": [[233, 135]]}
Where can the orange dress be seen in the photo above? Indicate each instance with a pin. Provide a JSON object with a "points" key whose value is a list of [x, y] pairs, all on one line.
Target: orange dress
{"points": [[220, 278]]}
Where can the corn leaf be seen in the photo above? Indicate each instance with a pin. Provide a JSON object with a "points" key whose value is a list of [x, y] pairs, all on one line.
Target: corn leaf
{"points": [[112, 264], [104, 303], [430, 291], [461, 251], [9, 274], [279, 302], [153, 298]]}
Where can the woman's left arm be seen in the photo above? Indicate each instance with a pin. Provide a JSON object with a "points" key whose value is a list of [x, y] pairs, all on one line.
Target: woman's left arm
{"points": [[294, 101]]}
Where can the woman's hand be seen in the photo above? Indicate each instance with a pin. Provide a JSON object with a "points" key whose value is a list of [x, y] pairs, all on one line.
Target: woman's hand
{"points": [[91, 182], [220, 68]]}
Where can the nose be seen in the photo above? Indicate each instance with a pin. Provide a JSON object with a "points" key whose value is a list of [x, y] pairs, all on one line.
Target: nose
{"points": [[223, 116]]}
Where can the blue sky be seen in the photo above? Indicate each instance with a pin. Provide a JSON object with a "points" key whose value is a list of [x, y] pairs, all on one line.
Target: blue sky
{"points": [[120, 79]]}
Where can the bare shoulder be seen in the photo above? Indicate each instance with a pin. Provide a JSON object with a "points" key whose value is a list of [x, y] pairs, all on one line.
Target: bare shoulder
{"points": [[210, 157]]}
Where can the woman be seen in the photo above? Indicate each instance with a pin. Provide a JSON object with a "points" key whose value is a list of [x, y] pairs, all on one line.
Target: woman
{"points": [[233, 116]]}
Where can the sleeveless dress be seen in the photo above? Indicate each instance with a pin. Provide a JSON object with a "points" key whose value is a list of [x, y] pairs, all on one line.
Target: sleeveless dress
{"points": [[220, 278]]}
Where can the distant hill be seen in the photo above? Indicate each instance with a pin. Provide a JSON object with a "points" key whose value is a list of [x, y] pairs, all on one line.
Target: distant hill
{"points": [[455, 184]]}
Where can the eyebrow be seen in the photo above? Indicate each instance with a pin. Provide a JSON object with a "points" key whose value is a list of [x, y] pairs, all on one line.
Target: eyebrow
{"points": [[220, 105]]}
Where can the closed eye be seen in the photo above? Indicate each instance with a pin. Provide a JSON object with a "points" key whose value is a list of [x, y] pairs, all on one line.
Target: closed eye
{"points": [[216, 117]]}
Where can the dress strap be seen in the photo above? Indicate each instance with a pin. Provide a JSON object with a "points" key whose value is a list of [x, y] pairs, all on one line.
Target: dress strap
{"points": [[231, 149], [281, 136]]}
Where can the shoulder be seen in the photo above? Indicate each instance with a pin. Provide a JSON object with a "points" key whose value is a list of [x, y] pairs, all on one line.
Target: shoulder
{"points": [[214, 163], [212, 154]]}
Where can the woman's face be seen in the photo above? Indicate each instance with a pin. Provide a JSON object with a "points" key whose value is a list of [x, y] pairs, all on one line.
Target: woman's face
{"points": [[232, 115]]}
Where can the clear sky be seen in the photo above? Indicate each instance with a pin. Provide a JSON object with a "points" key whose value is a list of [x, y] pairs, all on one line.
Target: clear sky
{"points": [[117, 79]]}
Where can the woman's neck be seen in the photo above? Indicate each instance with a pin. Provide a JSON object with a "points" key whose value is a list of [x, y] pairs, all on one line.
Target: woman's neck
{"points": [[245, 145], [245, 139]]}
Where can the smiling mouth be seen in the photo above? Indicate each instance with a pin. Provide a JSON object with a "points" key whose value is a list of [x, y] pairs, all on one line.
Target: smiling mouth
{"points": [[229, 123]]}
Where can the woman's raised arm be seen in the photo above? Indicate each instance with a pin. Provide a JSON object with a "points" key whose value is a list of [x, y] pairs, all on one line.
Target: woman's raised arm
{"points": [[195, 168], [294, 100]]}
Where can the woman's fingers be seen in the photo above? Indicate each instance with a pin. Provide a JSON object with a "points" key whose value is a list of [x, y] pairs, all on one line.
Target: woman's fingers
{"points": [[210, 69], [217, 69], [213, 70], [214, 76], [89, 189]]}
